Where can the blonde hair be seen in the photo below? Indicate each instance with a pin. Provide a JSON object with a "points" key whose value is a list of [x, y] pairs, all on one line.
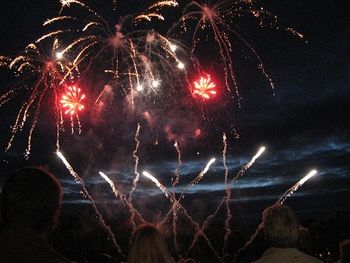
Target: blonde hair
{"points": [[281, 226], [148, 246]]}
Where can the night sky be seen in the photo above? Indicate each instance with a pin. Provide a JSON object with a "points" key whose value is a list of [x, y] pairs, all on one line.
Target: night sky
{"points": [[304, 122]]}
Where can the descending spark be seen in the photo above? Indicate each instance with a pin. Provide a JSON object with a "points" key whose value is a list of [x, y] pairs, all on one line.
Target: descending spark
{"points": [[72, 100], [136, 157], [203, 172], [122, 197], [228, 195], [163, 3], [58, 18], [175, 181], [158, 184], [80, 181], [295, 187], [48, 74], [136, 172], [149, 16], [204, 88], [179, 164]]}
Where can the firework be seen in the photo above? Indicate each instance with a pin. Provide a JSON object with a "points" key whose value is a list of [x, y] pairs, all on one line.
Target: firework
{"points": [[131, 55], [140, 65], [295, 187], [220, 19], [72, 100], [204, 88], [137, 62], [45, 76]]}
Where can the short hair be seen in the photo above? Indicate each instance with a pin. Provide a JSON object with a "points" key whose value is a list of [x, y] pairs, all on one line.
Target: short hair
{"points": [[281, 226], [31, 198], [148, 246]]}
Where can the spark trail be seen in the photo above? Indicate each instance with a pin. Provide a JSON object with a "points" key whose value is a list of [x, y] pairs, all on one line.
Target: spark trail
{"points": [[280, 201], [249, 164], [179, 164], [203, 172], [80, 181], [175, 182], [228, 196], [211, 216], [192, 183], [158, 184], [136, 172], [187, 215], [122, 197], [295, 187]]}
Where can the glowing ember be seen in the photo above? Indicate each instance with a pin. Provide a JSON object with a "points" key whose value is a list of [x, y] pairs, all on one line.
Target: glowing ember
{"points": [[204, 88], [72, 100]]}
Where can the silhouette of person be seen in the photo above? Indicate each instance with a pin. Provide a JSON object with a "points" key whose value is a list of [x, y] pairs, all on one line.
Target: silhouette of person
{"points": [[148, 246], [30, 205], [281, 229]]}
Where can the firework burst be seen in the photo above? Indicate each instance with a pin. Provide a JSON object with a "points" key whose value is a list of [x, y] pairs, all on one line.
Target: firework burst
{"points": [[204, 88], [44, 75], [219, 20], [143, 65], [72, 100]]}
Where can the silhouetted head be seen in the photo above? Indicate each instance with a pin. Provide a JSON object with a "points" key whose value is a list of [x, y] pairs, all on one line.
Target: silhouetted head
{"points": [[281, 226], [345, 251], [30, 200], [148, 246]]}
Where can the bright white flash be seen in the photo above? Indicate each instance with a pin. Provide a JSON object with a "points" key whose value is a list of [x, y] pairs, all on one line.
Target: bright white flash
{"points": [[155, 83], [181, 65], [307, 177], [139, 87], [59, 55], [256, 156], [173, 47]]}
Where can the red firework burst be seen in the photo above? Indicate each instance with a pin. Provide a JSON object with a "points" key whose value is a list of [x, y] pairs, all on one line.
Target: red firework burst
{"points": [[72, 100], [204, 88]]}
